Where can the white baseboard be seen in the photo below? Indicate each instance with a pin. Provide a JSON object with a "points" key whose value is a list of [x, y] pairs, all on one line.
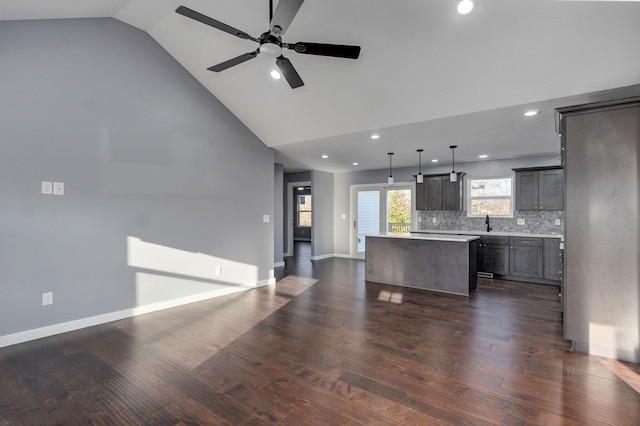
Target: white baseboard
{"points": [[51, 330], [327, 256], [322, 256], [343, 256]]}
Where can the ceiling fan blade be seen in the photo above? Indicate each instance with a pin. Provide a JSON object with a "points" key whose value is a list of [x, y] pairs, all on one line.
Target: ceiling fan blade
{"points": [[189, 13], [286, 10], [234, 61], [322, 49], [290, 74]]}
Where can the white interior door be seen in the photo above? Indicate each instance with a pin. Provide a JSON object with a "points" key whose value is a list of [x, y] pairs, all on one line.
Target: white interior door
{"points": [[368, 218]]}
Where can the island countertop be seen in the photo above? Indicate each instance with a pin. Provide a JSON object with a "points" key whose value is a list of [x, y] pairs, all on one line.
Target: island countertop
{"points": [[427, 236]]}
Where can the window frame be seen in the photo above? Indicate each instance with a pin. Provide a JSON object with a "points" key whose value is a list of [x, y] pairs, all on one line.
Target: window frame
{"points": [[299, 210], [511, 197]]}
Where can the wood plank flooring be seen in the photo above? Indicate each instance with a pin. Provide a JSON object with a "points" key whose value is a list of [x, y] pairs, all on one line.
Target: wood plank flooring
{"points": [[322, 347]]}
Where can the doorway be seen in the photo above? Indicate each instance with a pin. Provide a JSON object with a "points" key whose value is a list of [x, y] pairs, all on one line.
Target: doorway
{"points": [[377, 209], [299, 216]]}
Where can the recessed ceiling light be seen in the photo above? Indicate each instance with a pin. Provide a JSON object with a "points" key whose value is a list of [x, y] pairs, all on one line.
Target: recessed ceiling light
{"points": [[325, 156], [435, 160], [482, 156], [465, 7], [531, 113], [376, 136], [355, 164], [275, 74]]}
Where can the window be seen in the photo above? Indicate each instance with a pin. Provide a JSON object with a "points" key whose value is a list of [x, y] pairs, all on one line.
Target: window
{"points": [[304, 210], [490, 196]]}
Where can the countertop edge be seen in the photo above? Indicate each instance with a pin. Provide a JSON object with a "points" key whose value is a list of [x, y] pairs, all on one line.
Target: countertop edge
{"points": [[496, 233], [430, 236]]}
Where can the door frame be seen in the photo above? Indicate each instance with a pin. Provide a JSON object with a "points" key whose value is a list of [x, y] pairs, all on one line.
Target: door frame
{"points": [[384, 187], [290, 216]]}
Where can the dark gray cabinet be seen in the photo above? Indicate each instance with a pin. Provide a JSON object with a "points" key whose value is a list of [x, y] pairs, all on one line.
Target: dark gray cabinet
{"points": [[493, 255], [525, 257], [540, 188], [439, 193], [552, 259]]}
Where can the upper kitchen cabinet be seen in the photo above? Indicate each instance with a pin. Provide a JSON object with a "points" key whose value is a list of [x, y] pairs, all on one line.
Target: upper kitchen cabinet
{"points": [[439, 193], [540, 188]]}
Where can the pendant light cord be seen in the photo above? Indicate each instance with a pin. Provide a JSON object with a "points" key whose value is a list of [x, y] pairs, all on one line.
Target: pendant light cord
{"points": [[453, 157]]}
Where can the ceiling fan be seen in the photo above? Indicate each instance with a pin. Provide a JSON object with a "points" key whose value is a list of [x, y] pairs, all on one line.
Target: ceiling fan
{"points": [[271, 41]]}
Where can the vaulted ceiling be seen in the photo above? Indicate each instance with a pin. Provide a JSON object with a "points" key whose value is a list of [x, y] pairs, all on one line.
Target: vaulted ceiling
{"points": [[426, 77]]}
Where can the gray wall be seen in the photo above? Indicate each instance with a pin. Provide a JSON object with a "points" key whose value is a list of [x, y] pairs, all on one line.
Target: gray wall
{"points": [[486, 168], [163, 184], [323, 211]]}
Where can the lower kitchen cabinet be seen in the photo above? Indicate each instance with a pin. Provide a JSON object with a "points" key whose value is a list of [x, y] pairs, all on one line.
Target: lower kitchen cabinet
{"points": [[525, 257], [493, 255], [535, 260], [552, 259]]}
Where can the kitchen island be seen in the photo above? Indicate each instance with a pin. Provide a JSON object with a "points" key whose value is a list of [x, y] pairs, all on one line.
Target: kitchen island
{"points": [[438, 262]]}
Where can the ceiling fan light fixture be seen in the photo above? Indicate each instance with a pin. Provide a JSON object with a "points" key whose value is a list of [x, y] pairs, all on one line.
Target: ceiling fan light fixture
{"points": [[271, 49], [275, 74], [465, 7]]}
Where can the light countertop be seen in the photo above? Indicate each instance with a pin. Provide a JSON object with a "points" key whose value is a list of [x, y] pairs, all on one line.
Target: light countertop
{"points": [[496, 233], [429, 236]]}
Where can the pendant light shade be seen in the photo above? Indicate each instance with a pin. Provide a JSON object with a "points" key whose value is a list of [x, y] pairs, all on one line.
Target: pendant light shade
{"points": [[390, 180], [453, 176], [419, 177]]}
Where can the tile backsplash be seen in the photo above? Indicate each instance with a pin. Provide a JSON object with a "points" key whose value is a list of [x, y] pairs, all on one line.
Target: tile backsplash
{"points": [[535, 222]]}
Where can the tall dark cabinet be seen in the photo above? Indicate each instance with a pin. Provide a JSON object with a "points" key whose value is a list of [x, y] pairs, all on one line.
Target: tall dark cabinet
{"points": [[601, 147]]}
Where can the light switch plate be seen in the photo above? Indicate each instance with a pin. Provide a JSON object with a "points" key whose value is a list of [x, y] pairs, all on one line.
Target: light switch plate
{"points": [[47, 299], [58, 188], [47, 187], [343, 216], [557, 221]]}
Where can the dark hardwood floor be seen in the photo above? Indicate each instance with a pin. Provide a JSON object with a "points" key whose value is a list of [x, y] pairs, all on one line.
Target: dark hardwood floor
{"points": [[324, 347]]}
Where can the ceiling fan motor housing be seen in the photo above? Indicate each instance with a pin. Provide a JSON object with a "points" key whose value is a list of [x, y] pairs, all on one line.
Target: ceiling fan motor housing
{"points": [[270, 45]]}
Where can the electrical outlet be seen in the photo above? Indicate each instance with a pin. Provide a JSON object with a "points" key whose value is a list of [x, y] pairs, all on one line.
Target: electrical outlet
{"points": [[520, 221], [47, 187], [265, 218], [557, 222], [58, 188], [47, 299], [218, 270], [434, 220]]}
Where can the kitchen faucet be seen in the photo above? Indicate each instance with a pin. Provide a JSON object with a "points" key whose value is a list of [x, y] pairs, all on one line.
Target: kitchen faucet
{"points": [[486, 221]]}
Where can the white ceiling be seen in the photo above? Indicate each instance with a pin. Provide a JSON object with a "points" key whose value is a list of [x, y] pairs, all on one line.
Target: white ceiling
{"points": [[426, 77]]}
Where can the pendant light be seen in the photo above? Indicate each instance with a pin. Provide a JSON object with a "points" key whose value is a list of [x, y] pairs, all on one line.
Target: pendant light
{"points": [[420, 178], [390, 180], [453, 176]]}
